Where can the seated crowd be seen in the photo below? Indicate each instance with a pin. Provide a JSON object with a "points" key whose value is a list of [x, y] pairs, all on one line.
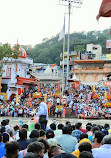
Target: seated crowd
{"points": [[58, 141]]}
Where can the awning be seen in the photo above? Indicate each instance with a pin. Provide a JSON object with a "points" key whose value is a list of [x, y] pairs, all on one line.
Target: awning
{"points": [[22, 80]]}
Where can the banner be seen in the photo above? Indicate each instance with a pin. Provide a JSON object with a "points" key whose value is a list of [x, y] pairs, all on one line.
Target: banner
{"points": [[108, 43]]}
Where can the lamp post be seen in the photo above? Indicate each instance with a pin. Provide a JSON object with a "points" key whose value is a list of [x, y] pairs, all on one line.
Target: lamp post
{"points": [[76, 4]]}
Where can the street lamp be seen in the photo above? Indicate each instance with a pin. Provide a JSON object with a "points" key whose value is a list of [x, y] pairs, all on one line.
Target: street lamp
{"points": [[76, 4]]}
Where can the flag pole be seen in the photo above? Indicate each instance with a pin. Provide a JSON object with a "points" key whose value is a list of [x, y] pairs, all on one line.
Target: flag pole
{"points": [[63, 67], [63, 59]]}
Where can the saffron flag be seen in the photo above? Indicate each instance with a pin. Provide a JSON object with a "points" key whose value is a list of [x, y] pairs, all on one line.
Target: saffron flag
{"points": [[53, 65], [62, 33], [105, 9]]}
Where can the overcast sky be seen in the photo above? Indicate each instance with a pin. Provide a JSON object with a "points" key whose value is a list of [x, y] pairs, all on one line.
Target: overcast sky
{"points": [[33, 20]]}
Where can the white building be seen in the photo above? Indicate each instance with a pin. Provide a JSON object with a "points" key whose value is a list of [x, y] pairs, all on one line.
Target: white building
{"points": [[16, 75], [46, 73]]}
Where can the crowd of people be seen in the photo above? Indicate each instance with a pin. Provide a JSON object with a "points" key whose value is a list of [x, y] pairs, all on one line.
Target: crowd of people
{"points": [[57, 141], [81, 102], [38, 140]]}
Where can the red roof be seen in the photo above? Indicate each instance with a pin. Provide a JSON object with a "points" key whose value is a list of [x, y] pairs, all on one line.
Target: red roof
{"points": [[89, 61]]}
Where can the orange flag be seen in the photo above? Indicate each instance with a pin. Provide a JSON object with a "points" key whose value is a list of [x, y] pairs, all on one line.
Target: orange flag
{"points": [[53, 65], [38, 87], [58, 88]]}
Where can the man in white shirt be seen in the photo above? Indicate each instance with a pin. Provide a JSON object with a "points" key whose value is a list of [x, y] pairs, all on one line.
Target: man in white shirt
{"points": [[42, 113], [105, 150]]}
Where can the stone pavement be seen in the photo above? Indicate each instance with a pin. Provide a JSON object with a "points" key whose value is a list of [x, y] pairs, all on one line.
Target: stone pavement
{"points": [[15, 120]]}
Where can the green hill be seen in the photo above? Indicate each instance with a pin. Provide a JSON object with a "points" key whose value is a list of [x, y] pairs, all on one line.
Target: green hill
{"points": [[49, 51]]}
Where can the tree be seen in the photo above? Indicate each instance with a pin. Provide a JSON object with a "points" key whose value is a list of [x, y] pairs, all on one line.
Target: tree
{"points": [[5, 51], [49, 51]]}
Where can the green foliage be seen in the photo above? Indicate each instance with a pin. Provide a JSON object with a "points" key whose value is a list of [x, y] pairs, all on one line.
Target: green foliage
{"points": [[5, 51], [49, 51]]}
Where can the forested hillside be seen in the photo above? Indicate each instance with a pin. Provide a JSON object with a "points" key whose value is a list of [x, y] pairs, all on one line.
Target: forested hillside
{"points": [[49, 51]]}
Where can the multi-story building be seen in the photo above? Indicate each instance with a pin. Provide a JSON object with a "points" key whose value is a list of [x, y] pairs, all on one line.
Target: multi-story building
{"points": [[91, 72], [88, 52]]}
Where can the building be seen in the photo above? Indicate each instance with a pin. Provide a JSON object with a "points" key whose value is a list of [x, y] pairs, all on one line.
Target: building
{"points": [[46, 73], [91, 72], [93, 51], [16, 76], [81, 52]]}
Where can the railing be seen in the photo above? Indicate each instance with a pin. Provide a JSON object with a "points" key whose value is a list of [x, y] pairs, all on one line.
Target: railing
{"points": [[27, 60], [47, 76]]}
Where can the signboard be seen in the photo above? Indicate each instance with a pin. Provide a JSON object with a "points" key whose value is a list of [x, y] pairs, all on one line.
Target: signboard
{"points": [[108, 43]]}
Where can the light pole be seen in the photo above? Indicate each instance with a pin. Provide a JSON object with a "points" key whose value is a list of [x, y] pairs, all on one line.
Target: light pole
{"points": [[76, 4]]}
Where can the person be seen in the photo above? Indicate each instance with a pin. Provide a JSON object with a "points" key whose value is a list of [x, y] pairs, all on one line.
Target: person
{"points": [[82, 136], [42, 134], [104, 150], [85, 146], [46, 145], [94, 129], [16, 132], [97, 139], [27, 128], [7, 125], [86, 154], [2, 147], [37, 126], [5, 136], [57, 152], [76, 133], [85, 140], [66, 141], [106, 128], [23, 142], [50, 137], [3, 123], [42, 113], [10, 131], [53, 126], [36, 147], [12, 149], [58, 131], [34, 135], [88, 129]]}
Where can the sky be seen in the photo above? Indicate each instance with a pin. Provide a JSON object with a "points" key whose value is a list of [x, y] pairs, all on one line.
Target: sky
{"points": [[30, 21]]}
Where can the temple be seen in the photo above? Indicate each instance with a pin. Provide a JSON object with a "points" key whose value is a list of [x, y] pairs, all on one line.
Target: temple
{"points": [[16, 76]]}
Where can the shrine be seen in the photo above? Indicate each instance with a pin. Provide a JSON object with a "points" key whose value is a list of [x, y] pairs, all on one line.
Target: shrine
{"points": [[16, 77]]}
